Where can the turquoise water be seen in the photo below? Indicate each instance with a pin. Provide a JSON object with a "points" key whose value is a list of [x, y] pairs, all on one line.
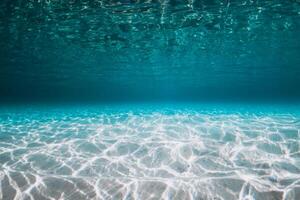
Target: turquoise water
{"points": [[150, 99], [120, 50]]}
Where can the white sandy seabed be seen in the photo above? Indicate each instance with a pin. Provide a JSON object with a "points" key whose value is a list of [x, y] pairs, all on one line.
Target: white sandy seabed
{"points": [[151, 155]]}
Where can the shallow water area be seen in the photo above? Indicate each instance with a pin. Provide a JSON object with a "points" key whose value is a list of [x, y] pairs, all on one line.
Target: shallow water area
{"points": [[149, 152], [150, 99]]}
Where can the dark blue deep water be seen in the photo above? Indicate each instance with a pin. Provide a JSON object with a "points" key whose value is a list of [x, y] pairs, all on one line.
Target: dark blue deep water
{"points": [[150, 99]]}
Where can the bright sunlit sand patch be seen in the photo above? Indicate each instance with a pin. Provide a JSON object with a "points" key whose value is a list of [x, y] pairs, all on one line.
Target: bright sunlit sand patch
{"points": [[149, 155]]}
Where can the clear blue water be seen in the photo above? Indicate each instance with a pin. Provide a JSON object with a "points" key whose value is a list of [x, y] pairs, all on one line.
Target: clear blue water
{"points": [[150, 99], [198, 50]]}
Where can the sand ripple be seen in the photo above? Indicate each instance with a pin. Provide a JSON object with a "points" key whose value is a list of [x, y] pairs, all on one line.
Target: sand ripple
{"points": [[156, 155]]}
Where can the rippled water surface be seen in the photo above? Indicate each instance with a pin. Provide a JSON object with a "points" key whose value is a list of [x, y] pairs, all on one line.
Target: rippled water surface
{"points": [[142, 153], [149, 49], [76, 53]]}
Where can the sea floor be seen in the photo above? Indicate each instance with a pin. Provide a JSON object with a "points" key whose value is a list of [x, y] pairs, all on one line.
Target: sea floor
{"points": [[172, 153]]}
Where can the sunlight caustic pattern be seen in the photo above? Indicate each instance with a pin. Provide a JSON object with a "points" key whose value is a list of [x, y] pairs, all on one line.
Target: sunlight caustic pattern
{"points": [[178, 155]]}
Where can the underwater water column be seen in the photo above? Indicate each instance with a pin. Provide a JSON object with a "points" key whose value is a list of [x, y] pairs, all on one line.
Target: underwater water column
{"points": [[150, 99]]}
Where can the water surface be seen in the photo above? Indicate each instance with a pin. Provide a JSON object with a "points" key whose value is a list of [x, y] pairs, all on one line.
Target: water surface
{"points": [[149, 50], [150, 99]]}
